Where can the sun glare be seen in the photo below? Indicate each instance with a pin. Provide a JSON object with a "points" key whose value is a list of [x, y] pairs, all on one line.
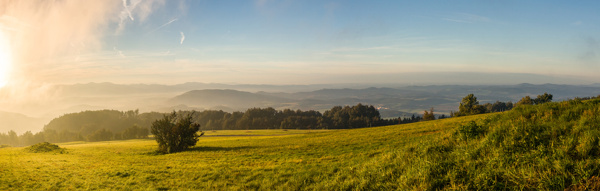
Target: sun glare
{"points": [[5, 59]]}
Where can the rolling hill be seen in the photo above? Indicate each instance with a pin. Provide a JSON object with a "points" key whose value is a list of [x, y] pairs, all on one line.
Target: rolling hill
{"points": [[19, 123], [393, 102], [553, 146], [228, 98]]}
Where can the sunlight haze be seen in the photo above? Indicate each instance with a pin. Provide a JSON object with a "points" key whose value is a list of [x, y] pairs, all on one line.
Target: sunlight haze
{"points": [[299, 95], [46, 44], [5, 59], [292, 42]]}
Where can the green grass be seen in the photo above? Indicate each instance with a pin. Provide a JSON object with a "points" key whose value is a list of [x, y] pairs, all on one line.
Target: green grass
{"points": [[273, 132], [548, 147], [321, 160]]}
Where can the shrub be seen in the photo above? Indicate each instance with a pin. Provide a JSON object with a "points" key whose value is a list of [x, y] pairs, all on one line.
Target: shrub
{"points": [[175, 133], [44, 147], [470, 131]]}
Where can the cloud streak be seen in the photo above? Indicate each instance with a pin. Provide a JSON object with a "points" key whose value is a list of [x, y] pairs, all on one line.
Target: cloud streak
{"points": [[136, 9], [126, 10], [119, 52], [182, 38], [164, 25]]}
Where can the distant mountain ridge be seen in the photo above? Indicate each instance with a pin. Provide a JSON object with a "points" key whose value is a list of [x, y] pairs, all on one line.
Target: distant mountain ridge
{"points": [[391, 101], [107, 88], [229, 98], [19, 123]]}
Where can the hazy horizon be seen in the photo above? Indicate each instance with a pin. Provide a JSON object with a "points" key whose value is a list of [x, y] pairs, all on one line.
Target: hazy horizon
{"points": [[338, 44], [299, 94]]}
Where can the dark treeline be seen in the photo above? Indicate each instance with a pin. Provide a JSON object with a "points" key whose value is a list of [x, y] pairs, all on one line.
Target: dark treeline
{"points": [[106, 125], [99, 125], [470, 106], [268, 118]]}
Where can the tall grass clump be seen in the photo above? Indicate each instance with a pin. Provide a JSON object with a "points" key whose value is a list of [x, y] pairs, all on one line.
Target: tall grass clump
{"points": [[45, 147], [552, 146]]}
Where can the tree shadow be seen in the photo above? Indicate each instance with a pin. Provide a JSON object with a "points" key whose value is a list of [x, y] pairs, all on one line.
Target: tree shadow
{"points": [[202, 148]]}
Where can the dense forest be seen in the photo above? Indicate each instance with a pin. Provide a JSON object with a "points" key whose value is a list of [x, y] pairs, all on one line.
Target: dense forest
{"points": [[106, 125]]}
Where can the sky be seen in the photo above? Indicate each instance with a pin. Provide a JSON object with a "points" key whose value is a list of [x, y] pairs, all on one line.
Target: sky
{"points": [[291, 41]]}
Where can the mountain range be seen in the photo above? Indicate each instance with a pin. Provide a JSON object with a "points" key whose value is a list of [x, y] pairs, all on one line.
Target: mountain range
{"points": [[392, 100]]}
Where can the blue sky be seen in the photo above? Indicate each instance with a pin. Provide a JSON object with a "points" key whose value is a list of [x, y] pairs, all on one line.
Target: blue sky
{"points": [[306, 42]]}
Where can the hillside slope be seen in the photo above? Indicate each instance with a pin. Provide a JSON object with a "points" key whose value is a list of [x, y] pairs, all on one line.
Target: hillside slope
{"points": [[19, 123], [547, 147], [229, 98]]}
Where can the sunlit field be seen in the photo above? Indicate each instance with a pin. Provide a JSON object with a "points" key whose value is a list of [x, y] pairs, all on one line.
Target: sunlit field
{"points": [[274, 132], [551, 146], [296, 160], [299, 95]]}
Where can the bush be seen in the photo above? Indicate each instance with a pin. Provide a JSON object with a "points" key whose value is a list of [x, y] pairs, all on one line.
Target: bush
{"points": [[470, 131], [175, 133], [44, 148]]}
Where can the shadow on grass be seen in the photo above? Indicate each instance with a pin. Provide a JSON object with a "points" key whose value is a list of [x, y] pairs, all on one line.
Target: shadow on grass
{"points": [[200, 149]]}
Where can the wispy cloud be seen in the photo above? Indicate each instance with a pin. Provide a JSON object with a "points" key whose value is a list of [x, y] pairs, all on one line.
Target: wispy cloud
{"points": [[577, 23], [124, 15], [136, 9], [119, 52], [466, 18], [164, 25], [126, 9], [182, 38]]}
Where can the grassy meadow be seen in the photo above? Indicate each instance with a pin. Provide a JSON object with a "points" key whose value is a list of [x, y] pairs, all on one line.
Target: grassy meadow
{"points": [[294, 159], [549, 147], [269, 132]]}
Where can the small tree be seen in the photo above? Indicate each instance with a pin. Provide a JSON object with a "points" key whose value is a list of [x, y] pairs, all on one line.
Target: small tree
{"points": [[544, 98], [525, 101], [470, 106], [175, 133], [428, 115]]}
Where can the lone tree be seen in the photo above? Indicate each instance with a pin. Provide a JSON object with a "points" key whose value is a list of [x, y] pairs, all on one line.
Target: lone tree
{"points": [[427, 116], [470, 106], [544, 98], [175, 133]]}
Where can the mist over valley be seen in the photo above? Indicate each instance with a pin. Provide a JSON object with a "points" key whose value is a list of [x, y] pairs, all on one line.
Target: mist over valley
{"points": [[392, 101]]}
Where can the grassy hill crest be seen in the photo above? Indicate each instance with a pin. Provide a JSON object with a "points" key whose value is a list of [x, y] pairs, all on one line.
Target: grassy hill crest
{"points": [[548, 147], [552, 146]]}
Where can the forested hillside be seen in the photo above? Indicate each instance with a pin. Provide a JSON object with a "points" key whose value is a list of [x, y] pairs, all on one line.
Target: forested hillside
{"points": [[103, 125]]}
